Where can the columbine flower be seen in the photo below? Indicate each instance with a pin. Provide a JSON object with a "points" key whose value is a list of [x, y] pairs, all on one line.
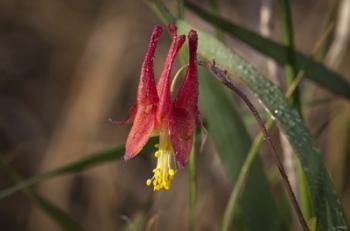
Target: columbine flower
{"points": [[155, 112]]}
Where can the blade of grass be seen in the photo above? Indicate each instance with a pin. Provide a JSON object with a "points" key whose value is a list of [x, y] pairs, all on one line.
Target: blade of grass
{"points": [[90, 161], [60, 217], [314, 70]]}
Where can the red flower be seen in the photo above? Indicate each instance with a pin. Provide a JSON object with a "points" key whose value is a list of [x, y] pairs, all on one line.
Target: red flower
{"points": [[156, 112]]}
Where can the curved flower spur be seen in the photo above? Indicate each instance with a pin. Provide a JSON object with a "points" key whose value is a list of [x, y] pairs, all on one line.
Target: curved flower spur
{"points": [[156, 113]]}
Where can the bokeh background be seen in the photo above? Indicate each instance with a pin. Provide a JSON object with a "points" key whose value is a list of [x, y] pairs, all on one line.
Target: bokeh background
{"points": [[67, 66]]}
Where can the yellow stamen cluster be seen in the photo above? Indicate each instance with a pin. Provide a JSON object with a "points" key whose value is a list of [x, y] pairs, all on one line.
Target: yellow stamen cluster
{"points": [[165, 171]]}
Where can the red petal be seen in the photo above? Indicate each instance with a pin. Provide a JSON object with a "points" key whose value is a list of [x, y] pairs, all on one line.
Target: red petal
{"points": [[146, 102], [181, 125], [187, 97], [147, 91], [185, 111], [141, 130], [163, 86]]}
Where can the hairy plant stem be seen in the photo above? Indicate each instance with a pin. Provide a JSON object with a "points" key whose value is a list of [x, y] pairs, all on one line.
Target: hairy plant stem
{"points": [[222, 76]]}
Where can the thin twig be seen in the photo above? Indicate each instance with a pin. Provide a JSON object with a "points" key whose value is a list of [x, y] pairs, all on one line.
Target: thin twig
{"points": [[222, 76]]}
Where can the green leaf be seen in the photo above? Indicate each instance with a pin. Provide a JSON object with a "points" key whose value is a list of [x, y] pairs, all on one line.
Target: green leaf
{"points": [[90, 161], [232, 141], [314, 70], [323, 194]]}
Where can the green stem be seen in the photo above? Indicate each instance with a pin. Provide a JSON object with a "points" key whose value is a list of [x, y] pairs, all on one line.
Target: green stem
{"points": [[180, 8], [288, 40], [192, 185], [177, 77]]}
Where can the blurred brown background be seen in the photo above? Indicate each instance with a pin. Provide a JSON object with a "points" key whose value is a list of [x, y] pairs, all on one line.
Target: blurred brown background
{"points": [[66, 66]]}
